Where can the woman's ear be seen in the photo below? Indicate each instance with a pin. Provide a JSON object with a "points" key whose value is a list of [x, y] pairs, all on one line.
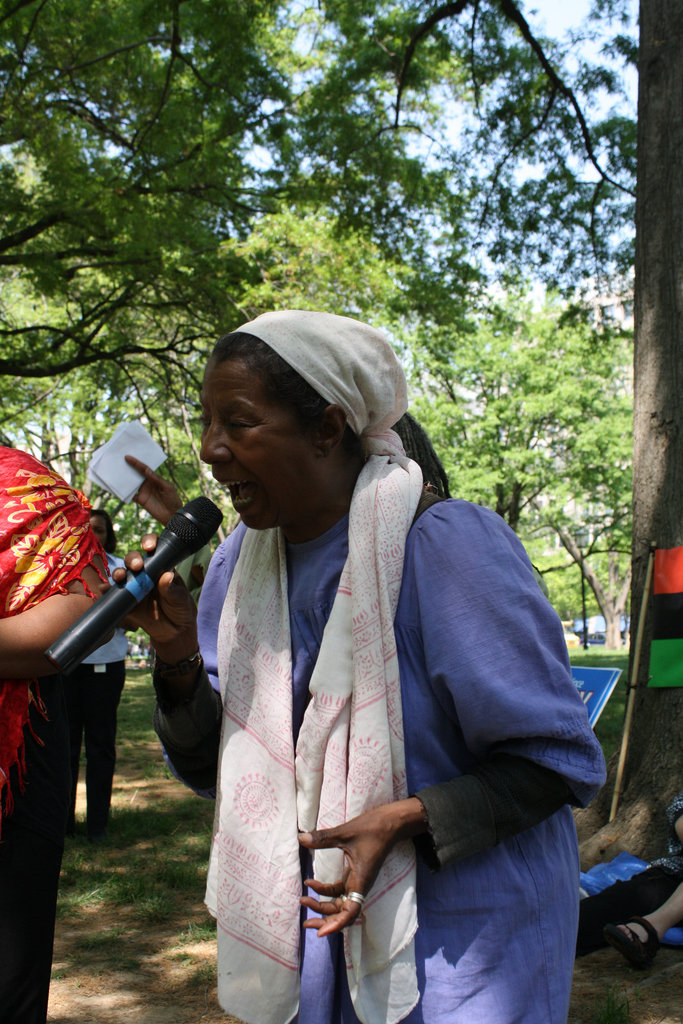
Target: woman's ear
{"points": [[330, 430]]}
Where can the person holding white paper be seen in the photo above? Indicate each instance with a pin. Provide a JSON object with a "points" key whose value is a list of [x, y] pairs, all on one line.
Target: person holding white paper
{"points": [[109, 468]]}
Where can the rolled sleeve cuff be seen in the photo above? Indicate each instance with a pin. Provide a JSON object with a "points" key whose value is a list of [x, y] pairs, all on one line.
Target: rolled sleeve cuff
{"points": [[187, 725], [448, 805]]}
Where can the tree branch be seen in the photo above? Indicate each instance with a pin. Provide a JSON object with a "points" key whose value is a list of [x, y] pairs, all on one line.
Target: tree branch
{"points": [[84, 356], [519, 141], [83, 112], [472, 34], [33, 230], [174, 44], [440, 14], [17, 7], [114, 53], [512, 12]]}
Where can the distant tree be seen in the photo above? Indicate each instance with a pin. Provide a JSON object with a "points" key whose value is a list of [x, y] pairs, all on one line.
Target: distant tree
{"points": [[531, 411], [64, 420], [137, 138], [162, 161], [300, 260]]}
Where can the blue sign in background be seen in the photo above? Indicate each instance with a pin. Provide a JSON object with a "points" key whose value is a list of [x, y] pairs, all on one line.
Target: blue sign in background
{"points": [[595, 685]]}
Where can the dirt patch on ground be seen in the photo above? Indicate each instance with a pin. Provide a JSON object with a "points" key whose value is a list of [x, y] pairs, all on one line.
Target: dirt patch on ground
{"points": [[162, 987], [654, 996], [156, 980], [112, 967], [167, 988], [164, 990]]}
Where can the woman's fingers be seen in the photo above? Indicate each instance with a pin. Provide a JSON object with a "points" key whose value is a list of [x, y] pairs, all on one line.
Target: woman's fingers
{"points": [[329, 889], [328, 838], [169, 609], [138, 464], [365, 842], [134, 560], [338, 911], [336, 914], [364, 852], [156, 494]]}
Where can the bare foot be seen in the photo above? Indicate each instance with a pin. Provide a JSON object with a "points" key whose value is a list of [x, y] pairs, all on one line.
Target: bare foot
{"points": [[635, 928]]}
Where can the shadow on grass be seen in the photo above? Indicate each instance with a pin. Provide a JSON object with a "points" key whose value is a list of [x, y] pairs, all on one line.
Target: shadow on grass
{"points": [[132, 926], [153, 856]]}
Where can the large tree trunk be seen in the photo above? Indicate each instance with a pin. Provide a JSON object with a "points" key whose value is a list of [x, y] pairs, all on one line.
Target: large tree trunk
{"points": [[654, 762]]}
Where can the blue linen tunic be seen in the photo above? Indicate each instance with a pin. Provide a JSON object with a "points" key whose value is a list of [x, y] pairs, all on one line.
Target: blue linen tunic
{"points": [[484, 669]]}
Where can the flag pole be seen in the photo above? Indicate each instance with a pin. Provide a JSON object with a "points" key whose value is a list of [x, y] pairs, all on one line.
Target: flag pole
{"points": [[633, 683]]}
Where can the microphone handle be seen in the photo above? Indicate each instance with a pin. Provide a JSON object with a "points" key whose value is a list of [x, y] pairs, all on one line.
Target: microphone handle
{"points": [[85, 634]]}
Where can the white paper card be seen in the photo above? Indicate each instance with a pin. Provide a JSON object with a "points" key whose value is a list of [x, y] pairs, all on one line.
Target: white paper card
{"points": [[108, 467]]}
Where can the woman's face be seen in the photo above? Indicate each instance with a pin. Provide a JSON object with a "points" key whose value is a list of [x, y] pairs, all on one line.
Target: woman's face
{"points": [[258, 450], [99, 528]]}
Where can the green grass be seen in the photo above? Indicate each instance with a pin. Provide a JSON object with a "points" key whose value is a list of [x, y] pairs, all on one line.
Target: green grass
{"points": [[197, 933], [131, 909], [155, 858], [135, 712], [614, 1009]]}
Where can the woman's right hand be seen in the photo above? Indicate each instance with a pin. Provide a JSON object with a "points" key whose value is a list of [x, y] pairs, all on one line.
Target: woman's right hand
{"points": [[168, 614]]}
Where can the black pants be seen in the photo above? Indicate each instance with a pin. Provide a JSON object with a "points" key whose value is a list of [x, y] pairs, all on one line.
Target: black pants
{"points": [[618, 903], [92, 700], [29, 875]]}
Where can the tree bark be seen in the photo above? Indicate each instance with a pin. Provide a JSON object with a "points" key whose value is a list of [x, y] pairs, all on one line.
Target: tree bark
{"points": [[653, 770]]}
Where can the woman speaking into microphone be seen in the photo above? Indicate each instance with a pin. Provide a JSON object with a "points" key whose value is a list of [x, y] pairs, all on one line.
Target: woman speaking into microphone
{"points": [[397, 740]]}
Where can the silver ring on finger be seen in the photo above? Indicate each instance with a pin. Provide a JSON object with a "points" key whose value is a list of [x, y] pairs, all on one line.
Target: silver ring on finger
{"points": [[355, 897]]}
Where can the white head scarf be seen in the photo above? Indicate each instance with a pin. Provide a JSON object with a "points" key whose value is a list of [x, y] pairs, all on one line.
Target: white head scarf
{"points": [[346, 361], [349, 755]]}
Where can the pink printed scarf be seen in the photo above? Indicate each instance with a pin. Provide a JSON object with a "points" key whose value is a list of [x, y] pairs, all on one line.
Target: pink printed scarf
{"points": [[349, 758]]}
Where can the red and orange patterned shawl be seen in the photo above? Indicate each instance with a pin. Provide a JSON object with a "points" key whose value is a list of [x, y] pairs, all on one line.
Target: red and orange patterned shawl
{"points": [[45, 543]]}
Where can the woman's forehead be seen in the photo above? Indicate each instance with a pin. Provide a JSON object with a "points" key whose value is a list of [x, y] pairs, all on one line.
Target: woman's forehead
{"points": [[234, 374]]}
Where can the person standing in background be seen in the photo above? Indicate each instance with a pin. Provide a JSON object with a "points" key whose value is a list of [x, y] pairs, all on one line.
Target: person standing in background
{"points": [[93, 691]]}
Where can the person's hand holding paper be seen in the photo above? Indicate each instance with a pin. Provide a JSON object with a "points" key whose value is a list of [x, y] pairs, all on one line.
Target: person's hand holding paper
{"points": [[108, 467]]}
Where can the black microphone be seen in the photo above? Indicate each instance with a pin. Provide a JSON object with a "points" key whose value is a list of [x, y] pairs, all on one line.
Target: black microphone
{"points": [[187, 531]]}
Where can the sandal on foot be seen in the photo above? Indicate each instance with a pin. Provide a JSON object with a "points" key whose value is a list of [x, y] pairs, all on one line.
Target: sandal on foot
{"points": [[638, 953]]}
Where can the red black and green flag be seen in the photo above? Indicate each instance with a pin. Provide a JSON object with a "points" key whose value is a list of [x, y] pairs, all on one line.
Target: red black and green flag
{"points": [[666, 653]]}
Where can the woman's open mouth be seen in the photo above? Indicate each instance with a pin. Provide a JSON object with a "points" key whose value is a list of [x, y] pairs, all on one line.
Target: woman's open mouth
{"points": [[242, 493]]}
